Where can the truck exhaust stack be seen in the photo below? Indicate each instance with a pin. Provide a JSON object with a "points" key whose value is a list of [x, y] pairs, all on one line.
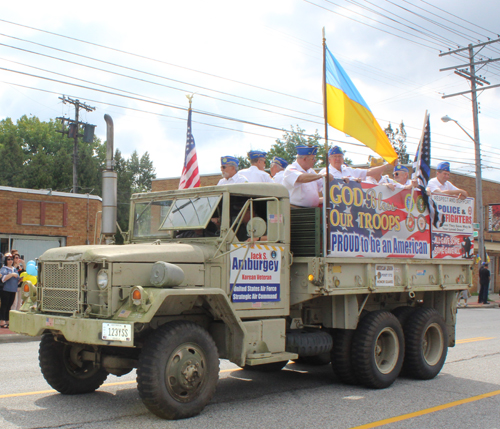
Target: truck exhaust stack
{"points": [[109, 188]]}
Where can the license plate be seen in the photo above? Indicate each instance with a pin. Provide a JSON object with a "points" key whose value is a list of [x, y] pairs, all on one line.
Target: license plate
{"points": [[116, 332]]}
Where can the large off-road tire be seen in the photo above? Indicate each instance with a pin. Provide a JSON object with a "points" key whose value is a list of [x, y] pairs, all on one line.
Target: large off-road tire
{"points": [[64, 370], [341, 356], [267, 367], [178, 370], [426, 340], [403, 313], [313, 348], [378, 349]]}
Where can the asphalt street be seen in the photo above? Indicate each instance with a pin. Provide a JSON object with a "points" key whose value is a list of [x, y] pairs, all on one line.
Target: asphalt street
{"points": [[465, 395]]}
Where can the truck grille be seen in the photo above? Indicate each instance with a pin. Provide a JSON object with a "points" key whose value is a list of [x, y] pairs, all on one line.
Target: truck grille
{"points": [[60, 288]]}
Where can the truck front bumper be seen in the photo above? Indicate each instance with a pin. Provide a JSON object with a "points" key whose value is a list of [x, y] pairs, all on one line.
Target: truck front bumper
{"points": [[73, 329]]}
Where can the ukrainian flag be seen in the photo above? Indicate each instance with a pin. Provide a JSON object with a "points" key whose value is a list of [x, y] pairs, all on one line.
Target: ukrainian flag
{"points": [[348, 112]]}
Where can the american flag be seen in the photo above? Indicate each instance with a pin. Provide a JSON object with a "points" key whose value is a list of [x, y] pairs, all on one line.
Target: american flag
{"points": [[422, 169], [190, 177]]}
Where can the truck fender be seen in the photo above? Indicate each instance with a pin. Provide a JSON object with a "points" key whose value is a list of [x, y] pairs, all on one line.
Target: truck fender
{"points": [[167, 302]]}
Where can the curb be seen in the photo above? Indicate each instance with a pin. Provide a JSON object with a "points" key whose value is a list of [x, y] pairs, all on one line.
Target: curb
{"points": [[17, 338]]}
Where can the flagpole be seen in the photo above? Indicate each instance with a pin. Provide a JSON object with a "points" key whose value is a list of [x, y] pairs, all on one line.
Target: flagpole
{"points": [[190, 98], [326, 192]]}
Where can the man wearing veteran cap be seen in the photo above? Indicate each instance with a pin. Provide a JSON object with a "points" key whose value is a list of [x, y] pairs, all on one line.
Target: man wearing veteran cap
{"points": [[401, 180], [441, 186], [256, 171], [341, 171], [302, 182], [278, 166], [229, 170]]}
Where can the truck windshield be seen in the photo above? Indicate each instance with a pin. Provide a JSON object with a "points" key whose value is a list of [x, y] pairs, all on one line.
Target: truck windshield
{"points": [[164, 218], [190, 213]]}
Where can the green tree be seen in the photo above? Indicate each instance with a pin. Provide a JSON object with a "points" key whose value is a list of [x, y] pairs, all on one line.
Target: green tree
{"points": [[142, 171], [11, 161], [243, 162], [36, 155], [397, 137]]}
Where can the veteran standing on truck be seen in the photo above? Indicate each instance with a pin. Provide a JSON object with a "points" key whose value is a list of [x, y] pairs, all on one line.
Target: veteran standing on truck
{"points": [[303, 183], [229, 171], [339, 170], [256, 172], [441, 185]]}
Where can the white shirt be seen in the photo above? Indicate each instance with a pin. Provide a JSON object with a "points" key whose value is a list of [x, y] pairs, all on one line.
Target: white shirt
{"points": [[253, 174], [302, 194], [399, 185], [237, 178], [279, 176], [434, 184], [383, 180], [355, 173]]}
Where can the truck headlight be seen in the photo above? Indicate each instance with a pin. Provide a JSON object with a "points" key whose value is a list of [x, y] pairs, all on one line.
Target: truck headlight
{"points": [[102, 279]]}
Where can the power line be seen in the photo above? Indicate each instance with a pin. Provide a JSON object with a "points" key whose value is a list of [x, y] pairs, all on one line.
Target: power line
{"points": [[162, 62]]}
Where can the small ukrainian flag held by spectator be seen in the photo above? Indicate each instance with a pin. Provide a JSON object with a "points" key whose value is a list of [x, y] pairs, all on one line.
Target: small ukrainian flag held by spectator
{"points": [[348, 112]]}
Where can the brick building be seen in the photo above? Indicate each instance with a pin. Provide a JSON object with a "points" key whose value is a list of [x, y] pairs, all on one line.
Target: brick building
{"points": [[33, 221], [491, 195]]}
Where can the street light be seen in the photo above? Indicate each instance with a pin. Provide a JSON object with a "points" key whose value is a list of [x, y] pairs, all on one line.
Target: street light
{"points": [[479, 188]]}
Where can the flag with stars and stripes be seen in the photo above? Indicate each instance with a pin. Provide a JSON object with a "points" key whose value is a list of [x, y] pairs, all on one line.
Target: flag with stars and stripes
{"points": [[422, 169], [190, 177]]}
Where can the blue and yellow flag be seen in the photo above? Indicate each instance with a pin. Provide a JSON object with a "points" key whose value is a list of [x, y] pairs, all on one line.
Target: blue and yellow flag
{"points": [[348, 112]]}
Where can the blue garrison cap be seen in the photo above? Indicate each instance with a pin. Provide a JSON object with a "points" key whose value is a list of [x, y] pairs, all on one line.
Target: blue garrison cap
{"points": [[256, 154], [444, 166], [307, 150], [335, 150], [229, 160], [400, 167], [280, 161]]}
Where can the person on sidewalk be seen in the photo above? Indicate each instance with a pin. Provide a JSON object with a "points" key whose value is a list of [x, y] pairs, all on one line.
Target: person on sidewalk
{"points": [[10, 279], [484, 282]]}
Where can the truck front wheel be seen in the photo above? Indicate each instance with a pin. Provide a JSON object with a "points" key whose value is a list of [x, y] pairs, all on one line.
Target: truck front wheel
{"points": [[64, 369], [378, 349], [426, 344], [178, 370]]}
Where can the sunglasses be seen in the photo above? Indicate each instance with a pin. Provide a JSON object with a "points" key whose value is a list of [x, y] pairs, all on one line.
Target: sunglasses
{"points": [[16, 256], [10, 259]]}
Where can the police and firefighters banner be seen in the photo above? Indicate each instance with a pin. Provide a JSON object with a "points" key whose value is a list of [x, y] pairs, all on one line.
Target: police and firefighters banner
{"points": [[453, 236], [255, 273], [369, 220]]}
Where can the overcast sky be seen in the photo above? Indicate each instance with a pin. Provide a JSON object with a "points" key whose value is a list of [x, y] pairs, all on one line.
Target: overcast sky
{"points": [[259, 62]]}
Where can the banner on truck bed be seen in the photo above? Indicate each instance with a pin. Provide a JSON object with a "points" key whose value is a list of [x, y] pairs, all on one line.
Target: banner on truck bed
{"points": [[373, 221], [255, 273], [453, 237]]}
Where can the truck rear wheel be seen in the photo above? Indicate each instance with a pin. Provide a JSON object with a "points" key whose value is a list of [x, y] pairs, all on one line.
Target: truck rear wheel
{"points": [[342, 357], [426, 344], [378, 349], [178, 370], [63, 368]]}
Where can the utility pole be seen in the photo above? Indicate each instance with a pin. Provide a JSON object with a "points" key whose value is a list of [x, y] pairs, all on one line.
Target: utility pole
{"points": [[74, 126], [468, 71]]}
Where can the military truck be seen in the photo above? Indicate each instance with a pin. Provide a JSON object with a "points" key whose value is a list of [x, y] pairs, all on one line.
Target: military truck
{"points": [[232, 272]]}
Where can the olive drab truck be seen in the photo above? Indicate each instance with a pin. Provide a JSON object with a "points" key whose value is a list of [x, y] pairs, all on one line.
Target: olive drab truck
{"points": [[233, 272]]}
